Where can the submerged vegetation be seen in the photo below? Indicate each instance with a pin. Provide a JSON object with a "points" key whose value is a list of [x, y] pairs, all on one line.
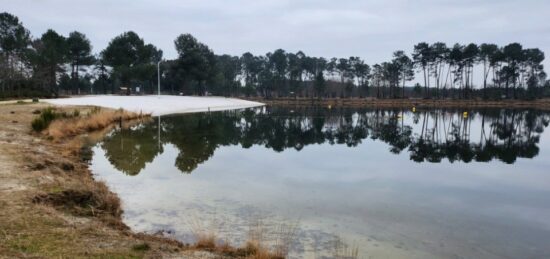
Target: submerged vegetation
{"points": [[38, 67], [263, 242]]}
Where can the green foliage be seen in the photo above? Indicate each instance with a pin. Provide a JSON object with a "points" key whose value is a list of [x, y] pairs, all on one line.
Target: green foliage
{"points": [[79, 49], [196, 62], [320, 84], [95, 110], [14, 37], [48, 115], [44, 119], [14, 43], [417, 89], [130, 58], [48, 57], [79, 54], [141, 247]]}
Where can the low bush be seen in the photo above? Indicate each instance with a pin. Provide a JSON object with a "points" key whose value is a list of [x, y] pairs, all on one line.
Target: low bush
{"points": [[44, 119], [48, 115], [90, 199], [141, 247]]}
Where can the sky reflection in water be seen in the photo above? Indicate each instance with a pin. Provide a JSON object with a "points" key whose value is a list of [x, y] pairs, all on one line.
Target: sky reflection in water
{"points": [[394, 183]]}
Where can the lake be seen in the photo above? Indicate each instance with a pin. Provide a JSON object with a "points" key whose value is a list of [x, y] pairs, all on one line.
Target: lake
{"points": [[392, 183]]}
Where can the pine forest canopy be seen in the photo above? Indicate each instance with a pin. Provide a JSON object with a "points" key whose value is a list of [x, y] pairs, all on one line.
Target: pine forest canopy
{"points": [[54, 64]]}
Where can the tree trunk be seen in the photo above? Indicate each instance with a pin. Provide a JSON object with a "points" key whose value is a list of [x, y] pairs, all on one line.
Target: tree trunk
{"points": [[403, 94], [485, 75], [425, 82]]}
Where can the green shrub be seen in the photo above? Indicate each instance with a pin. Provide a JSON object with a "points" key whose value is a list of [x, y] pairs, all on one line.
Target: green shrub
{"points": [[95, 110], [44, 119], [141, 247], [38, 124], [48, 115]]}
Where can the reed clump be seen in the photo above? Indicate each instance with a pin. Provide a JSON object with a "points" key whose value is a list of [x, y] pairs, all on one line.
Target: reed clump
{"points": [[343, 251], [61, 127], [263, 242], [45, 118], [91, 198]]}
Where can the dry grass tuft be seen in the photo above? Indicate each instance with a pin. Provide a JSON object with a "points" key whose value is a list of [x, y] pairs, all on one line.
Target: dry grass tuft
{"points": [[90, 199], [207, 242], [263, 242], [96, 119], [343, 251]]}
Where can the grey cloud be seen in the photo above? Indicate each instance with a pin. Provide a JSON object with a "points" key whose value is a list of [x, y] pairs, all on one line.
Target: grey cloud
{"points": [[370, 29]]}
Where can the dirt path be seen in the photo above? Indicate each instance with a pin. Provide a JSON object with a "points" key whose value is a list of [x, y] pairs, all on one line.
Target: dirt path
{"points": [[30, 166]]}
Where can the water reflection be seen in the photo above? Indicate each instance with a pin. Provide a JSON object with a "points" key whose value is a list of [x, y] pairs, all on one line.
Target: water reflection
{"points": [[427, 136]]}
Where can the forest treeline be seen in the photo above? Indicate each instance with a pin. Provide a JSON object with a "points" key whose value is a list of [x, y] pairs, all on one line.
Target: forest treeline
{"points": [[54, 65]]}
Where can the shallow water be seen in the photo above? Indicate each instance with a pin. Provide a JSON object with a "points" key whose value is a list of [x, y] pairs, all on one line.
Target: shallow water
{"points": [[392, 183]]}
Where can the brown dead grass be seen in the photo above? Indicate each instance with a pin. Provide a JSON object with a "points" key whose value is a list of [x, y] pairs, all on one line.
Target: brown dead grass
{"points": [[91, 199], [264, 242], [93, 121], [51, 207], [56, 209], [341, 250], [251, 250]]}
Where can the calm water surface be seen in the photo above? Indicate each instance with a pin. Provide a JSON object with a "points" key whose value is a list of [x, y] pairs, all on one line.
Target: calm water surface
{"points": [[395, 184]]}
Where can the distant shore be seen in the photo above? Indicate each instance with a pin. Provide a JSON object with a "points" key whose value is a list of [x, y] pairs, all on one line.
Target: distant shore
{"points": [[406, 103]]}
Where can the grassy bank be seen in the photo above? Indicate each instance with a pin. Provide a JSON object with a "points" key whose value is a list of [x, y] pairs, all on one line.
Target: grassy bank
{"points": [[52, 205], [406, 103]]}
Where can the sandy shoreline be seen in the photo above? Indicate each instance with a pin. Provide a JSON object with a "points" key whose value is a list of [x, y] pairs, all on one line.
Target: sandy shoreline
{"points": [[157, 105], [45, 184], [32, 166]]}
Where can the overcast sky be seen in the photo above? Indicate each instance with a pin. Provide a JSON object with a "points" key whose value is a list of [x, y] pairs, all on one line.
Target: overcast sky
{"points": [[328, 28]]}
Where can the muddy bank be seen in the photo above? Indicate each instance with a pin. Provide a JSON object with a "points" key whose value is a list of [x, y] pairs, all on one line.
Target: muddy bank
{"points": [[52, 206], [406, 103]]}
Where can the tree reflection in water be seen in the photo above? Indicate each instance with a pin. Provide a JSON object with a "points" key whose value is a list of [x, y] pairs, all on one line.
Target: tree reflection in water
{"points": [[428, 136]]}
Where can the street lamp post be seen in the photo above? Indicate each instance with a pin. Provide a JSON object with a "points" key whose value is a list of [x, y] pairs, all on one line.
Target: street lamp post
{"points": [[158, 73]]}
